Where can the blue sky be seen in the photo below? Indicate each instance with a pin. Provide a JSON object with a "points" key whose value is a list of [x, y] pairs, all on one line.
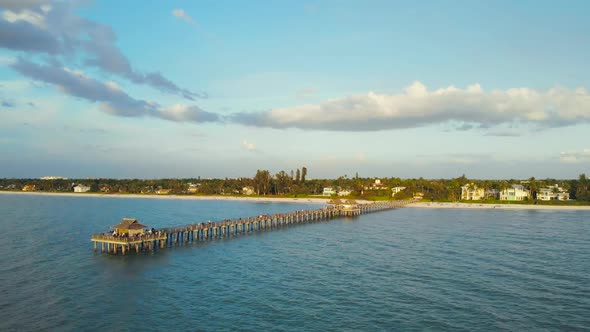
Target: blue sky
{"points": [[223, 88]]}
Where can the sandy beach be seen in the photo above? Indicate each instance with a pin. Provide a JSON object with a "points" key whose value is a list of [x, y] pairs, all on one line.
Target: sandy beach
{"points": [[179, 197], [307, 200], [438, 205]]}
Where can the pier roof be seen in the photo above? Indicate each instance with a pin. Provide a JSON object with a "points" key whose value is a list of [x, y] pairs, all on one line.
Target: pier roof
{"points": [[129, 223]]}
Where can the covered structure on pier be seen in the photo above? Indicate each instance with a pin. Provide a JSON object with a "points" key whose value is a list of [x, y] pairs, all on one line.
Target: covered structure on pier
{"points": [[130, 227], [349, 207], [336, 202]]}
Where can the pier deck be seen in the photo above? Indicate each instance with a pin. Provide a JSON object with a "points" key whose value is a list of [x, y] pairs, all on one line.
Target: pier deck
{"points": [[180, 235]]}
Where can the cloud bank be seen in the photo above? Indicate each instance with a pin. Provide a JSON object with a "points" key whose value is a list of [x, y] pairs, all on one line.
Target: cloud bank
{"points": [[111, 98], [53, 29], [575, 156], [417, 107]]}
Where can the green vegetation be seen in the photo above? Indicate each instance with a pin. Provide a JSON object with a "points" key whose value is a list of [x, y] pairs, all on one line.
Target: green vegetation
{"points": [[296, 184]]}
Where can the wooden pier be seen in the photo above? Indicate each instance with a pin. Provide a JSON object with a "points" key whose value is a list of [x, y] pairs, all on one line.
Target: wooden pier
{"points": [[130, 236]]}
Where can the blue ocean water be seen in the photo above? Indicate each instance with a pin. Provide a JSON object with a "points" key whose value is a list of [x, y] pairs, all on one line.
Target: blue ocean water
{"points": [[407, 269]]}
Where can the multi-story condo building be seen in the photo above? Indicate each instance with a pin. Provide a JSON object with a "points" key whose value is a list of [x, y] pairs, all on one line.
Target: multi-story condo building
{"points": [[515, 193]]}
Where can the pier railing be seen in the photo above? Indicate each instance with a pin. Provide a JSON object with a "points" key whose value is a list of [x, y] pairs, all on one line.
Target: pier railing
{"points": [[128, 239], [179, 235]]}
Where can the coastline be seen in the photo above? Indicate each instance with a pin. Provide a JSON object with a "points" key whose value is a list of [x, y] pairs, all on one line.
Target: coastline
{"points": [[307, 200], [178, 197], [473, 206]]}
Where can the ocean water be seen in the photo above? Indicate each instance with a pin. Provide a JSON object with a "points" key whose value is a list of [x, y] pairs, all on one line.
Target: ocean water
{"points": [[408, 269]]}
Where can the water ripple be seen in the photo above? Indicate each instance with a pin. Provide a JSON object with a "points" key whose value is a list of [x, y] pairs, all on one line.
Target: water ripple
{"points": [[410, 269]]}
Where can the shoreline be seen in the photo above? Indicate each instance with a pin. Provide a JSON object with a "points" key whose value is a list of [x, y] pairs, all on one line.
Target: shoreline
{"points": [[475, 206], [179, 197], [307, 200]]}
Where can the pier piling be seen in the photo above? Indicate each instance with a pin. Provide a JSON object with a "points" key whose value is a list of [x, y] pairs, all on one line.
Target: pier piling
{"points": [[182, 235]]}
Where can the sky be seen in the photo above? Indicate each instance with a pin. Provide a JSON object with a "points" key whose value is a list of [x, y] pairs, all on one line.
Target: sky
{"points": [[215, 89]]}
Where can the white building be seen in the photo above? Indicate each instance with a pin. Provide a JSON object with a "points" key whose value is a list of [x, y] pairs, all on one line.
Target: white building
{"points": [[470, 192], [344, 192], [377, 185], [248, 191], [193, 188], [396, 190], [329, 191], [554, 192], [516, 193], [80, 188], [418, 195]]}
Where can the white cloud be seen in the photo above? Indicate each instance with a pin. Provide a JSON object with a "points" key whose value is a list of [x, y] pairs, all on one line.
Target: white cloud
{"points": [[418, 107], [181, 14], [113, 86], [110, 97], [59, 34], [248, 146], [575, 156], [184, 113], [25, 15]]}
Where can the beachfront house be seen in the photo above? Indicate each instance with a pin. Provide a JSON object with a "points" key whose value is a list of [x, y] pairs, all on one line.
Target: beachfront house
{"points": [[29, 187], [377, 185], [554, 192], [418, 195], [492, 194], [396, 190], [130, 227], [193, 188], [80, 188], [248, 191], [162, 191], [329, 191], [344, 192], [516, 192], [470, 192]]}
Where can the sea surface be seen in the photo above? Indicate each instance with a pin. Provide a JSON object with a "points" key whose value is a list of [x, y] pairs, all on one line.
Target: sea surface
{"points": [[402, 270]]}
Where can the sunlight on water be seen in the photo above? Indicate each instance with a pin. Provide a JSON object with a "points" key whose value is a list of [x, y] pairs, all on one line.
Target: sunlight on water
{"points": [[396, 270]]}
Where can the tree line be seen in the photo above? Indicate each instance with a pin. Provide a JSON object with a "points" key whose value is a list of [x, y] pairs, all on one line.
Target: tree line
{"points": [[296, 183]]}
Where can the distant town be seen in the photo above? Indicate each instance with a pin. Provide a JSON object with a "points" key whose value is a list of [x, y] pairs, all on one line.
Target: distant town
{"points": [[297, 184]]}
